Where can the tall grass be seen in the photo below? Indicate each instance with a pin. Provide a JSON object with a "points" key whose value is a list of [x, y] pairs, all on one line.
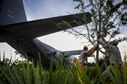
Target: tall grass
{"points": [[24, 72]]}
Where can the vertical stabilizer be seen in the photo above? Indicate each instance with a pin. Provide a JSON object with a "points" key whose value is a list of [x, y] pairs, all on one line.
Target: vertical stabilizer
{"points": [[11, 11]]}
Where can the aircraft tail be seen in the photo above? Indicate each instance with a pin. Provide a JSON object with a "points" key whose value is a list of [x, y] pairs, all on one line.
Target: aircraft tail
{"points": [[11, 13]]}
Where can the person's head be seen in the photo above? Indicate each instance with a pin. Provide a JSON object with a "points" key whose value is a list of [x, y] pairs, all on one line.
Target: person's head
{"points": [[85, 48], [114, 42]]}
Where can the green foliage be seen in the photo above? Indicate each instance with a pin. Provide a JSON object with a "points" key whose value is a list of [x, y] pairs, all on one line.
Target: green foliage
{"points": [[25, 72], [107, 17]]}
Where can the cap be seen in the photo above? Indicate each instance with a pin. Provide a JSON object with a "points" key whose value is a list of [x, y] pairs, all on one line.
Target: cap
{"points": [[114, 42]]}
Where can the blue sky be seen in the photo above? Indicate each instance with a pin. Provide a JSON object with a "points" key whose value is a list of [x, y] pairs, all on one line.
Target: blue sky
{"points": [[39, 9]]}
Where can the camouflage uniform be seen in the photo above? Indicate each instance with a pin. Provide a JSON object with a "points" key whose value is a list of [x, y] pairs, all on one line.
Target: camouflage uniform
{"points": [[112, 53], [83, 57]]}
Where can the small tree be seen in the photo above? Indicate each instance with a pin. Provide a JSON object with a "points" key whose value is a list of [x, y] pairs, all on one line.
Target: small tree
{"points": [[107, 18]]}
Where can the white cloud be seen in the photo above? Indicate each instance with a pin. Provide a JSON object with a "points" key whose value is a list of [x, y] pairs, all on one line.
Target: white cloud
{"points": [[8, 52], [63, 41]]}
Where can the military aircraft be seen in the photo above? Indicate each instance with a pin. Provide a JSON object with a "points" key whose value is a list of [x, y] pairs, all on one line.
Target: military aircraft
{"points": [[22, 35]]}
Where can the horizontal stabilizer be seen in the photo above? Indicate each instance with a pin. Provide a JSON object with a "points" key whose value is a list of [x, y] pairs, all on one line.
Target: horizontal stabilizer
{"points": [[33, 29]]}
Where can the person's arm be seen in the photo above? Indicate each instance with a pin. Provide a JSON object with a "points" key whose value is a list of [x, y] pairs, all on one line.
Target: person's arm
{"points": [[92, 50]]}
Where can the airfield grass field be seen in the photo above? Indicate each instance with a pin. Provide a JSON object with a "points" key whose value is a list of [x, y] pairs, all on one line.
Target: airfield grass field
{"points": [[24, 72]]}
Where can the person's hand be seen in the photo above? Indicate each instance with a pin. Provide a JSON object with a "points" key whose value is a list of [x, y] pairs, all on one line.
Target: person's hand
{"points": [[99, 41]]}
